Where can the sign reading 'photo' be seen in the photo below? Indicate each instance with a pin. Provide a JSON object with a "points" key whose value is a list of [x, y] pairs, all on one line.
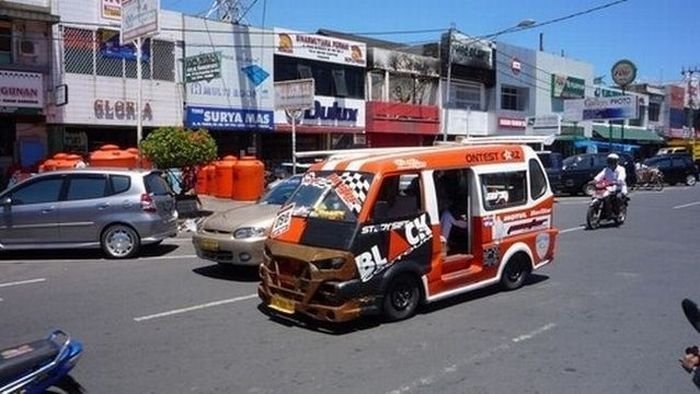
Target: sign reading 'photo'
{"points": [[599, 108]]}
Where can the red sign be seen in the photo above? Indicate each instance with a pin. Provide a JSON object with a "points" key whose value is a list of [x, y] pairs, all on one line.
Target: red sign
{"points": [[512, 123], [384, 117], [677, 94]]}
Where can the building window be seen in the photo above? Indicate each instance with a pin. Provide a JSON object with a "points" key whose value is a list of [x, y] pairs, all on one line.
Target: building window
{"points": [[640, 120], [5, 43], [654, 111], [78, 51], [514, 98], [337, 80], [465, 95], [377, 81]]}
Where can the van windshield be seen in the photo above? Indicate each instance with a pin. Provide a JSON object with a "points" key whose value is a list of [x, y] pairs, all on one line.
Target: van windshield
{"points": [[331, 195]]}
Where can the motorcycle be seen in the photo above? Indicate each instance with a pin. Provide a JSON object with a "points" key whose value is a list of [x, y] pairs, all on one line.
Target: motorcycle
{"points": [[601, 207], [38, 366]]}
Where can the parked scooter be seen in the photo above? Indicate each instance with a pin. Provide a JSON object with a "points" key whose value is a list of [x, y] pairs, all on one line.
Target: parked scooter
{"points": [[601, 207], [40, 365]]}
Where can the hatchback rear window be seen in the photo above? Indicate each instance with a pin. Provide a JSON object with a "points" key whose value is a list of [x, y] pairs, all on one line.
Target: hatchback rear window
{"points": [[120, 183], [156, 185]]}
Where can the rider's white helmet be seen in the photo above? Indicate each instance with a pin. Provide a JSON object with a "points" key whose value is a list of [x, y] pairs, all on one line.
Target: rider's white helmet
{"points": [[613, 156]]}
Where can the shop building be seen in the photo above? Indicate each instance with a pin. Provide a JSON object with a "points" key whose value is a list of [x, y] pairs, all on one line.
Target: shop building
{"points": [[228, 79], [95, 78], [337, 118], [25, 76]]}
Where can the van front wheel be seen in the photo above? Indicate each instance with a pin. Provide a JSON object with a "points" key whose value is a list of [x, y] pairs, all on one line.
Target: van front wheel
{"points": [[401, 298], [516, 272]]}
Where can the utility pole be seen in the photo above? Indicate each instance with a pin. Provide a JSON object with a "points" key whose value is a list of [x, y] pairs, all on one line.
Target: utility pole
{"points": [[693, 104]]}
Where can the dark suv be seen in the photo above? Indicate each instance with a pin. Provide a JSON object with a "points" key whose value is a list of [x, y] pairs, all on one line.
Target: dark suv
{"points": [[580, 169], [552, 163], [677, 168]]}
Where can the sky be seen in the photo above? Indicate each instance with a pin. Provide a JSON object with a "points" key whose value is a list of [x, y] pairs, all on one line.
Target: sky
{"points": [[657, 35]]}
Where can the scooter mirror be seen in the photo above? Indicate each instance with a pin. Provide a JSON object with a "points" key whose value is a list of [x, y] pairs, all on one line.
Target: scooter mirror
{"points": [[692, 313]]}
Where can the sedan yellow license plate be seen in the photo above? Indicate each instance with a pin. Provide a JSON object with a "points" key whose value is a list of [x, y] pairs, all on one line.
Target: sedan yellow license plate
{"points": [[282, 305], [209, 244]]}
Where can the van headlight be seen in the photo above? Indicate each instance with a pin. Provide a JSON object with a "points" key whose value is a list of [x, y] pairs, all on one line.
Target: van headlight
{"points": [[249, 232]]}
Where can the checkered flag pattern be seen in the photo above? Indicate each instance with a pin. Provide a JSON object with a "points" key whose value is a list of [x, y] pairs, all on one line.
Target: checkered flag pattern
{"points": [[359, 186]]}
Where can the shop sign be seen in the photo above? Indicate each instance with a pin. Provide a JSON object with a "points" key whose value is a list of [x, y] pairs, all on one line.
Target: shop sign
{"points": [[229, 118], [566, 87], [111, 9], [516, 66], [624, 72], [321, 48], [139, 19], [120, 110], [296, 94], [598, 108], [469, 51], [605, 92], [512, 123], [676, 95], [544, 125], [330, 112], [21, 89], [203, 67]]}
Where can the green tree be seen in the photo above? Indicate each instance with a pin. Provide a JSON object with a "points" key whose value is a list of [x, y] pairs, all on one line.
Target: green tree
{"points": [[176, 147]]}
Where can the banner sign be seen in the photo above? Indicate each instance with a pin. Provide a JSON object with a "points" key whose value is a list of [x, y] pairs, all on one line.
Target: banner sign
{"points": [[139, 19], [203, 67], [610, 108], [468, 51], [567, 87], [229, 118], [322, 48], [544, 125], [111, 47]]}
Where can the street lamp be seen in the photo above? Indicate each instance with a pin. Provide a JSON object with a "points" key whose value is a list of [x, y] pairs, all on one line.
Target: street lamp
{"points": [[523, 24]]}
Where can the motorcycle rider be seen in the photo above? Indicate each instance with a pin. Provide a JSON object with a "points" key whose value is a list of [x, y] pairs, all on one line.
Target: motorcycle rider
{"points": [[615, 174]]}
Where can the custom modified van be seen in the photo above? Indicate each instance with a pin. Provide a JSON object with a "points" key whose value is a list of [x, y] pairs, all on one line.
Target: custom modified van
{"points": [[380, 231]]}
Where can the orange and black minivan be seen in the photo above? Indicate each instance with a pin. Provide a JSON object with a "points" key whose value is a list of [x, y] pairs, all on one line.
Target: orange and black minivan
{"points": [[383, 231]]}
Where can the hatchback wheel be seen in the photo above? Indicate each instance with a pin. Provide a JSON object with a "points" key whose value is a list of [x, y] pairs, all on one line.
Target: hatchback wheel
{"points": [[690, 180], [120, 241]]}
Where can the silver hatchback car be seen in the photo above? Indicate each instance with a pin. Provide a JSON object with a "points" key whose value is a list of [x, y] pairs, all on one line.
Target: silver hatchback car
{"points": [[117, 210]]}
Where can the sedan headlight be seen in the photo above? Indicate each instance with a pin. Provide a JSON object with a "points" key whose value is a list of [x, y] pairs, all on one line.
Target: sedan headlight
{"points": [[249, 232]]}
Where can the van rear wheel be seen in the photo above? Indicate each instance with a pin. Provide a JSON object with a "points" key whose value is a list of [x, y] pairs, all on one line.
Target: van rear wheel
{"points": [[401, 298], [516, 272]]}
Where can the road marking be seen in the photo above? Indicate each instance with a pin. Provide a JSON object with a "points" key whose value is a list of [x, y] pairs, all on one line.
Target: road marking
{"points": [[22, 282], [100, 260], [568, 230], [687, 205], [195, 308], [421, 383]]}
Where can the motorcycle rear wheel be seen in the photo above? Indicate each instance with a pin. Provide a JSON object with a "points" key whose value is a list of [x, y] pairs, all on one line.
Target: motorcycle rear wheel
{"points": [[593, 217], [622, 216]]}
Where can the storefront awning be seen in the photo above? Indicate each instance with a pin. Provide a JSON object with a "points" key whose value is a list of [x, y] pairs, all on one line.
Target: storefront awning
{"points": [[28, 15], [631, 133], [570, 137]]}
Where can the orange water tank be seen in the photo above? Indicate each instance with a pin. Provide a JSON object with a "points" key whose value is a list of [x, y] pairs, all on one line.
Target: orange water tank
{"points": [[112, 156], [145, 163], [210, 172], [248, 179], [66, 162], [201, 186], [224, 177]]}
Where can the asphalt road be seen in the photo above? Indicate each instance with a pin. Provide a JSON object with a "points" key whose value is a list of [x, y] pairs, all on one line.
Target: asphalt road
{"points": [[604, 317]]}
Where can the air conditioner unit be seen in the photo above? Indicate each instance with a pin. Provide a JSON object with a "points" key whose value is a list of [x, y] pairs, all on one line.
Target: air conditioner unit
{"points": [[27, 48]]}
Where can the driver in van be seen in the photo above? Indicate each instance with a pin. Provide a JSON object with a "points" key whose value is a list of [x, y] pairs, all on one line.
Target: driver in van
{"points": [[615, 174]]}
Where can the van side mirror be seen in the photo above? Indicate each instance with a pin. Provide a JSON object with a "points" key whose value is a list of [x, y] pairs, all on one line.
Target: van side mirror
{"points": [[381, 210]]}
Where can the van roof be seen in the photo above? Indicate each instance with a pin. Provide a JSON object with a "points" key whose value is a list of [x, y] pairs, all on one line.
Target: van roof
{"points": [[442, 156]]}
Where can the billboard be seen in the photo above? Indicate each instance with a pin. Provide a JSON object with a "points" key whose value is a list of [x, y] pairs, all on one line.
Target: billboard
{"points": [[321, 48], [601, 108], [567, 87], [227, 67]]}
